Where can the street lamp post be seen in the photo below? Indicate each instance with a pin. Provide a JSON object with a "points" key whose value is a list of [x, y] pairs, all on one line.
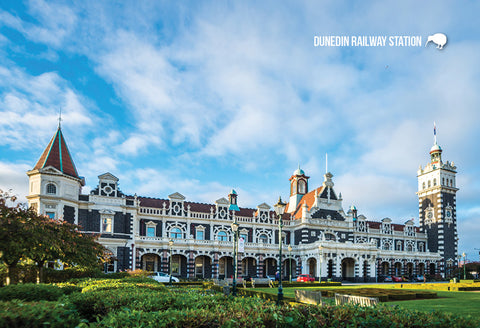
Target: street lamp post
{"points": [[235, 244], [458, 266], [321, 261], [464, 266], [170, 243], [279, 210], [290, 256]]}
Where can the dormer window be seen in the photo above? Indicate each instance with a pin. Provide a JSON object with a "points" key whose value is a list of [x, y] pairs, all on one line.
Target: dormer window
{"points": [[51, 189]]}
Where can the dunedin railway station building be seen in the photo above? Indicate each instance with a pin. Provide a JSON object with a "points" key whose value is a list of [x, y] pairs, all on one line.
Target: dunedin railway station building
{"points": [[196, 239]]}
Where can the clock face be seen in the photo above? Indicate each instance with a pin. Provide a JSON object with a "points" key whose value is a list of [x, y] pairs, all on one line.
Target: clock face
{"points": [[449, 214], [429, 215]]}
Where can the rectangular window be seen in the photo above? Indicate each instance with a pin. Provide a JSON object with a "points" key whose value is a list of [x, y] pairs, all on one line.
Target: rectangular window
{"points": [[200, 235], [150, 231], [51, 215], [245, 238], [107, 225]]}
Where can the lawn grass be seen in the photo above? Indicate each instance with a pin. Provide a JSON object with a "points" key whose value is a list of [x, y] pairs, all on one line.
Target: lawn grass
{"points": [[461, 303]]}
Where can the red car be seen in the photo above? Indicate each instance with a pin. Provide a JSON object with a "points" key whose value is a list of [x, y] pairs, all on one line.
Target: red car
{"points": [[305, 278], [397, 279]]}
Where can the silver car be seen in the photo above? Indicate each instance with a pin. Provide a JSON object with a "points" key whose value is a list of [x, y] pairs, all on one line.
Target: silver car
{"points": [[163, 277]]}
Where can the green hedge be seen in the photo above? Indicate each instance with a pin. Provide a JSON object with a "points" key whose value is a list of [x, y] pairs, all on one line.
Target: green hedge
{"points": [[37, 314], [32, 292]]}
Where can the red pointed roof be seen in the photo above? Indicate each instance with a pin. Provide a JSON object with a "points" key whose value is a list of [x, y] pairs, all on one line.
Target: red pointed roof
{"points": [[57, 155]]}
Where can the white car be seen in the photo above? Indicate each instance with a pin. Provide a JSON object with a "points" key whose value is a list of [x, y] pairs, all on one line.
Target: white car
{"points": [[163, 277]]}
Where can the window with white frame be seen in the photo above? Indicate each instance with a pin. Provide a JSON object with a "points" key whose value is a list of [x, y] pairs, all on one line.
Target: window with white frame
{"points": [[222, 236], [51, 189], [200, 232], [51, 215], [263, 239], [176, 233], [151, 229], [107, 225]]}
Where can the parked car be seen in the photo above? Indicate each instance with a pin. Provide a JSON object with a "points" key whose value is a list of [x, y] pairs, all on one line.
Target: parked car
{"points": [[305, 278], [419, 277], [397, 279], [163, 277], [383, 278]]}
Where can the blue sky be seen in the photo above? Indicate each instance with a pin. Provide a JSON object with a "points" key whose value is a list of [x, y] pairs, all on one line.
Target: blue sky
{"points": [[200, 97]]}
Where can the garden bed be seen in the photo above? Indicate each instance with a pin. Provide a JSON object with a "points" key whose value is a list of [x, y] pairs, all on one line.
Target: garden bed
{"points": [[141, 303]]}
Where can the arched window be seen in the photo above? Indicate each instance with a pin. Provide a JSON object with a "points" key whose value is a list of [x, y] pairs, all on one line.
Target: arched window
{"points": [[409, 248], [443, 181], [51, 189], [434, 181], [263, 239], [301, 187], [176, 233], [222, 236], [429, 184], [424, 185]]}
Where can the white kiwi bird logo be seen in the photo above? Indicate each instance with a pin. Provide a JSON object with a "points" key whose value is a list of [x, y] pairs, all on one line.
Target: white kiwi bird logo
{"points": [[439, 39]]}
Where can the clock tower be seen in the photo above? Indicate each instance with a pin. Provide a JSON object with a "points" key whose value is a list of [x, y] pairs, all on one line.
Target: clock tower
{"points": [[437, 207]]}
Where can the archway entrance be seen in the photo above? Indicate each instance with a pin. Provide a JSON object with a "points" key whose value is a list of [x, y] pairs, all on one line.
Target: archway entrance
{"points": [[225, 267], [203, 267], [421, 268], [410, 269], [289, 266], [385, 268], [249, 266], [312, 266], [348, 269], [432, 269], [398, 269], [270, 267], [150, 262], [179, 266]]}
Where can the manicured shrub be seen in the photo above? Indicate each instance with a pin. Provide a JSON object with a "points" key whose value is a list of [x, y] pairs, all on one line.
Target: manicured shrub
{"points": [[37, 314], [31, 292]]}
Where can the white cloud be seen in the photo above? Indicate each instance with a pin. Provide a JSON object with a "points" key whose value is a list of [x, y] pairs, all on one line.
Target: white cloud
{"points": [[13, 177]]}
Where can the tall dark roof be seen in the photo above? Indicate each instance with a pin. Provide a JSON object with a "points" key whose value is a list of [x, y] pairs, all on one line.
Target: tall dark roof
{"points": [[57, 155]]}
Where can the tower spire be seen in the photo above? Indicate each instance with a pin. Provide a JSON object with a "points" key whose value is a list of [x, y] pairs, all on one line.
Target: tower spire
{"points": [[60, 118]]}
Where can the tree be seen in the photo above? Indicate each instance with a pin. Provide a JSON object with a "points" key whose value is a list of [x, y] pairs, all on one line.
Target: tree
{"points": [[14, 238], [26, 235]]}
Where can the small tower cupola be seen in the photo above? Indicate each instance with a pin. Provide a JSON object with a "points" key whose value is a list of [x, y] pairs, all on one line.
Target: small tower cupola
{"points": [[298, 188], [298, 182], [436, 153], [232, 200]]}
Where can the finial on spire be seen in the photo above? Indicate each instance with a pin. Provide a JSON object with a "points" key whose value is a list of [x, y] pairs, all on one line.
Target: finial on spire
{"points": [[60, 118], [434, 133]]}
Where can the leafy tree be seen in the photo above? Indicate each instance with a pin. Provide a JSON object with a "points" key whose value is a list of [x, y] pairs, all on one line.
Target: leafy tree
{"points": [[26, 235], [14, 238]]}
